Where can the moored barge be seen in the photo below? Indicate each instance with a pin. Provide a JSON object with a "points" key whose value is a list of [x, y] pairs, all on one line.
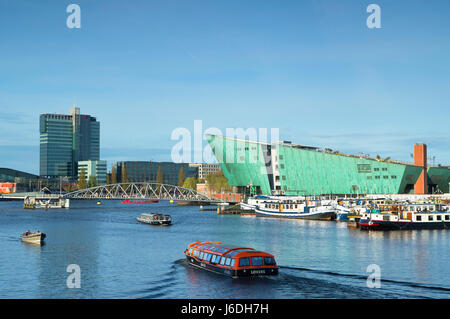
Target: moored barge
{"points": [[407, 217], [229, 260]]}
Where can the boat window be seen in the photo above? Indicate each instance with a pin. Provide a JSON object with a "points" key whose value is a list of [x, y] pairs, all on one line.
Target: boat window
{"points": [[232, 262], [227, 261], [190, 251], [447, 217], [222, 261], [269, 261], [419, 218], [213, 258], [257, 261], [244, 262], [196, 252], [430, 218], [201, 255], [208, 258], [439, 217]]}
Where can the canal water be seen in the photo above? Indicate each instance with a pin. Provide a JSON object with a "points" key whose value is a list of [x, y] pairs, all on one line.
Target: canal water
{"points": [[120, 258]]}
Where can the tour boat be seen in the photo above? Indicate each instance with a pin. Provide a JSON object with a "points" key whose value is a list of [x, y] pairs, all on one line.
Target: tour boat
{"points": [[33, 238], [230, 260], [296, 209], [407, 216], [137, 201], [155, 219]]}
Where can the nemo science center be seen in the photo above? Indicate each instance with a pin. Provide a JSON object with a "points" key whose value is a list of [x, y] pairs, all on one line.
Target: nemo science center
{"points": [[291, 169]]}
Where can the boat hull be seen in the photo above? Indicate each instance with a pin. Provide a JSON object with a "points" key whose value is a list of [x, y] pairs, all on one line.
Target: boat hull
{"points": [[367, 224], [37, 239], [234, 273], [325, 215], [155, 222]]}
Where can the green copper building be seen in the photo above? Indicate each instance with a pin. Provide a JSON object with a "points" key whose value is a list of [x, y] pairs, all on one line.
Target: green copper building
{"points": [[292, 169]]}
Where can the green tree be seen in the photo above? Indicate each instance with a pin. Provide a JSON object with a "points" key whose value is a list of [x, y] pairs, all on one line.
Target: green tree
{"points": [[190, 182], [181, 177], [217, 182], [159, 176], [113, 175], [124, 176], [92, 181], [82, 179]]}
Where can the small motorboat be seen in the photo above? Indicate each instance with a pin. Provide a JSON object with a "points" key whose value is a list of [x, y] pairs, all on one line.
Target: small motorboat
{"points": [[155, 219], [231, 261], [33, 238]]}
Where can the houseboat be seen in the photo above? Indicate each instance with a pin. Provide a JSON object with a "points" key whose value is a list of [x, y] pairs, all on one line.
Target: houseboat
{"points": [[407, 216], [36, 238], [230, 260], [296, 209], [155, 219]]}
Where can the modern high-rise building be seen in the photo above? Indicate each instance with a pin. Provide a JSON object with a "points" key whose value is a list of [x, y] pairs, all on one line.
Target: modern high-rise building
{"points": [[65, 140]]}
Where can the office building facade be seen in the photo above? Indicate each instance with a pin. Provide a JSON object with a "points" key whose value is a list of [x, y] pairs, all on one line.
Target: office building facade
{"points": [[93, 168], [205, 169], [65, 140], [146, 171]]}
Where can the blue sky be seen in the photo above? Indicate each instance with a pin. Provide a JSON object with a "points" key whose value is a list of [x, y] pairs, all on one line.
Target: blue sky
{"points": [[310, 68]]}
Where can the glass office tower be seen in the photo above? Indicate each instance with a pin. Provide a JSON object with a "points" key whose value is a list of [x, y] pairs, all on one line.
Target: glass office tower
{"points": [[66, 140]]}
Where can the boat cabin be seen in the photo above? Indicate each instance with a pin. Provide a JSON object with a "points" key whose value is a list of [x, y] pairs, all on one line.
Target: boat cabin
{"points": [[231, 260]]}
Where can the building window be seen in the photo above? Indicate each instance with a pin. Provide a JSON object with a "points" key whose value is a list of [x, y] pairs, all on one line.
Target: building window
{"points": [[385, 177], [369, 177], [376, 169], [384, 169], [394, 177], [377, 177], [281, 157]]}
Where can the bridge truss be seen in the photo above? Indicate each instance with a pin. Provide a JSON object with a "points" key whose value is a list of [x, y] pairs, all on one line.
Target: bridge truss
{"points": [[145, 191]]}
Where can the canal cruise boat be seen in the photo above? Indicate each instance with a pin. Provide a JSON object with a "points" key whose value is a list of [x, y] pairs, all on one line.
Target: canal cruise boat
{"points": [[155, 219], [407, 216], [229, 260]]}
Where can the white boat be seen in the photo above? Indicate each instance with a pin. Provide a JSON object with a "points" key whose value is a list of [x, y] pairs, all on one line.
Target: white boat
{"points": [[296, 209], [252, 202], [155, 219]]}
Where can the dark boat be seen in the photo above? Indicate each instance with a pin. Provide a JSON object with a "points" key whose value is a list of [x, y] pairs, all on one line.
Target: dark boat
{"points": [[230, 261], [155, 219]]}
